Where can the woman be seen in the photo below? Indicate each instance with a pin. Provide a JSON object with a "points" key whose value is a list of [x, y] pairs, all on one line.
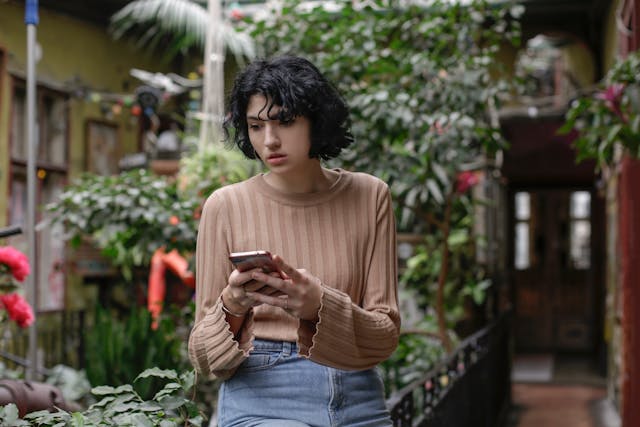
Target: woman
{"points": [[299, 350]]}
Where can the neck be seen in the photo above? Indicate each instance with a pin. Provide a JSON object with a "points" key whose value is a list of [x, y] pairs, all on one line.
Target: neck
{"points": [[310, 180]]}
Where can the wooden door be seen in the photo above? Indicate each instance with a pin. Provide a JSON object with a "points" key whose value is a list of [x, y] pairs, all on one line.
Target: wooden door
{"points": [[553, 271]]}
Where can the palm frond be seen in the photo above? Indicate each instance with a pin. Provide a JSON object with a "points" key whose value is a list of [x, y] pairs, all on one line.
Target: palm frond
{"points": [[178, 20]]}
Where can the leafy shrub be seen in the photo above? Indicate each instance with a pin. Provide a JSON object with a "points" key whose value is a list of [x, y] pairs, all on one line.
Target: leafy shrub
{"points": [[124, 406], [212, 167], [119, 349], [128, 216]]}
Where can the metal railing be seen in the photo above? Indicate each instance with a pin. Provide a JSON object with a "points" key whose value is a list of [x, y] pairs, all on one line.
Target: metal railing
{"points": [[471, 387], [60, 341]]}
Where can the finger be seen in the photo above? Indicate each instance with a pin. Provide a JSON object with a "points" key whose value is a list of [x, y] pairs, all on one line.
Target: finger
{"points": [[274, 282], [265, 290], [253, 286], [268, 290], [267, 299], [291, 272], [238, 278]]}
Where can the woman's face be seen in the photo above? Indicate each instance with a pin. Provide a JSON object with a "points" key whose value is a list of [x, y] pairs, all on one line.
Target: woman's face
{"points": [[282, 146]]}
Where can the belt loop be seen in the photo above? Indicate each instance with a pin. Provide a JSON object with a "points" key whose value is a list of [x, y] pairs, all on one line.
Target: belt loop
{"points": [[286, 348]]}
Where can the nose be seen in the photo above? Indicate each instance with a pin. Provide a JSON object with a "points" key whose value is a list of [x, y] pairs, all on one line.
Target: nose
{"points": [[271, 138]]}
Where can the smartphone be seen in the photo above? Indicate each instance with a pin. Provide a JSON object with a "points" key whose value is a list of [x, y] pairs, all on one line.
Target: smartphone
{"points": [[244, 261]]}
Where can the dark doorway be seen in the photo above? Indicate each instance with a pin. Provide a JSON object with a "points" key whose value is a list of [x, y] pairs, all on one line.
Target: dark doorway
{"points": [[555, 281], [556, 239]]}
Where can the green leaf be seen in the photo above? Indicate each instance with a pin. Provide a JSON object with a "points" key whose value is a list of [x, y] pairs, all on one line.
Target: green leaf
{"points": [[168, 389], [77, 419], [434, 190], [159, 373], [150, 406], [458, 237], [613, 133], [133, 419], [171, 403]]}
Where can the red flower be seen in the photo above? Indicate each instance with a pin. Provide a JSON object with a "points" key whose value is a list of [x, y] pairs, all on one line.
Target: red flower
{"points": [[465, 181], [19, 310], [16, 261]]}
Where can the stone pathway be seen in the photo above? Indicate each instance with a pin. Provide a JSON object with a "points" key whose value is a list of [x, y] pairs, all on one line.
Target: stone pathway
{"points": [[555, 405]]}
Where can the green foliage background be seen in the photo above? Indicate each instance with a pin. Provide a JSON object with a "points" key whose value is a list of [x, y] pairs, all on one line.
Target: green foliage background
{"points": [[422, 84]]}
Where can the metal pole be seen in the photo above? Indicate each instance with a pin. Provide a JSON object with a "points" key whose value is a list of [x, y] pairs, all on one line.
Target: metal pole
{"points": [[213, 82], [31, 19]]}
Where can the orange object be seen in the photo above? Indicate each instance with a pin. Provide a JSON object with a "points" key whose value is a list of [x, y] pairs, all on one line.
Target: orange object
{"points": [[157, 289]]}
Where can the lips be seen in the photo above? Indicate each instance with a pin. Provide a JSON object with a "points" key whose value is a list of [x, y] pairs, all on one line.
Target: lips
{"points": [[276, 159]]}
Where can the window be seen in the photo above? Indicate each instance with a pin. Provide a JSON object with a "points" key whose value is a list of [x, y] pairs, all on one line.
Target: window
{"points": [[580, 230], [52, 127], [51, 164], [522, 240]]}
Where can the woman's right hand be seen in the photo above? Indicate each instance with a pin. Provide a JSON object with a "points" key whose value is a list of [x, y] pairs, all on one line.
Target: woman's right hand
{"points": [[234, 295]]}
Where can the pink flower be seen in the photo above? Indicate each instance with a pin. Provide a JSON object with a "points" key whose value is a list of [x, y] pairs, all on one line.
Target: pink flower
{"points": [[612, 97], [16, 261], [18, 309], [465, 181], [236, 14]]}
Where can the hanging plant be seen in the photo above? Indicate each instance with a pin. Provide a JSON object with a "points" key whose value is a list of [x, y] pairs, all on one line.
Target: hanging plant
{"points": [[609, 117]]}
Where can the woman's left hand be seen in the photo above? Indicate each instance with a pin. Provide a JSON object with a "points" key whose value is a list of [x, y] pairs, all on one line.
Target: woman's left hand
{"points": [[301, 291]]}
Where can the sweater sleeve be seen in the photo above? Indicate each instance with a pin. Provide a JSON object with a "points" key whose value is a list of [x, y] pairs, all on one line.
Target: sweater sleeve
{"points": [[352, 336], [213, 349]]}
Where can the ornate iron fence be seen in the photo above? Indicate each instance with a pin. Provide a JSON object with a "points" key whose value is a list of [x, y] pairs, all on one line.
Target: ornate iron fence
{"points": [[471, 387]]}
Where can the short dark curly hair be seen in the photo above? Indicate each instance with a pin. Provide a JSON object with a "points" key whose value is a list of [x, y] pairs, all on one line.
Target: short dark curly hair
{"points": [[299, 88]]}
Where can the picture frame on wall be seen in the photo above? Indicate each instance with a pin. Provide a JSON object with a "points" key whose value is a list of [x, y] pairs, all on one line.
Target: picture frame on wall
{"points": [[102, 148]]}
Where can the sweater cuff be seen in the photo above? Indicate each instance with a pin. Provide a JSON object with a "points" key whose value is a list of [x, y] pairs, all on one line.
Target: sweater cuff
{"points": [[315, 335], [213, 349]]}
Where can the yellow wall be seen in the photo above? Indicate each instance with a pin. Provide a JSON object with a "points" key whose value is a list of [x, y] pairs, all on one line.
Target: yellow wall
{"points": [[581, 63], [610, 41]]}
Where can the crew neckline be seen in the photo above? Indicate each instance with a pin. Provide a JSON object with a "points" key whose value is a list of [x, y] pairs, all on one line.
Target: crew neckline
{"points": [[313, 198]]}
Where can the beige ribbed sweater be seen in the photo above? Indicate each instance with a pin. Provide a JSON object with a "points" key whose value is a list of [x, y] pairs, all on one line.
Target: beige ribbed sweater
{"points": [[345, 236]]}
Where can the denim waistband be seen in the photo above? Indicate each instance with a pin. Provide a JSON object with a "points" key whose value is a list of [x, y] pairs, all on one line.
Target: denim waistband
{"points": [[285, 346]]}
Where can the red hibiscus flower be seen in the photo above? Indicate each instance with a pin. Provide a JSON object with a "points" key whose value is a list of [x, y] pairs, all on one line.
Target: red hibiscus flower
{"points": [[18, 309], [465, 181], [15, 261]]}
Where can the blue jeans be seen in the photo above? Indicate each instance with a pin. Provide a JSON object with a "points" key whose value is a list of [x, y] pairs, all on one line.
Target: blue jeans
{"points": [[276, 387]]}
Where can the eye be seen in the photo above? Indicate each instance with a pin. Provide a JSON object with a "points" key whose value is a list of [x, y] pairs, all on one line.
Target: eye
{"points": [[254, 126]]}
